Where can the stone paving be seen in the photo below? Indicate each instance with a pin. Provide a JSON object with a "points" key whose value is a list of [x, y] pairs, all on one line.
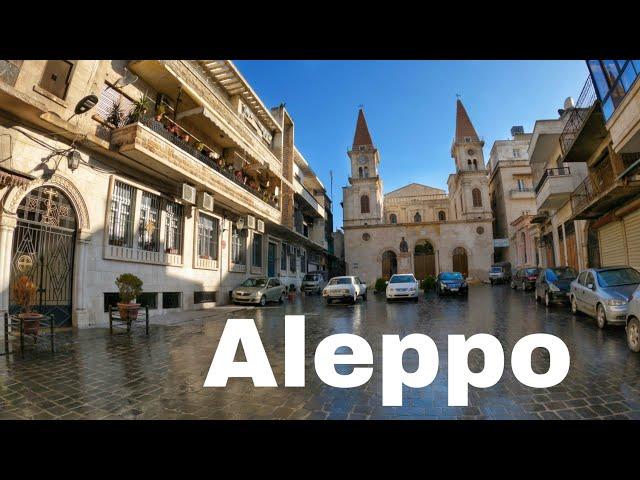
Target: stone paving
{"points": [[97, 376]]}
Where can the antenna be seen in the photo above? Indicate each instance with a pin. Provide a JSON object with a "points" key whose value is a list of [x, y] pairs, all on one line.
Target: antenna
{"points": [[331, 177]]}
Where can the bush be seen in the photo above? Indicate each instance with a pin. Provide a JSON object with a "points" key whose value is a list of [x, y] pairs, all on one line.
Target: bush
{"points": [[429, 283], [129, 286], [381, 285]]}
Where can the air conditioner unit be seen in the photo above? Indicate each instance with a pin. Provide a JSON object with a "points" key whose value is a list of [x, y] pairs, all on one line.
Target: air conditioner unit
{"points": [[205, 201], [188, 193], [251, 221], [240, 223], [260, 226]]}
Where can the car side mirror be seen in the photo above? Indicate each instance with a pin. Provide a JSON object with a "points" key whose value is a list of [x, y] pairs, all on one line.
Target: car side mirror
{"points": [[386, 283], [590, 286]]}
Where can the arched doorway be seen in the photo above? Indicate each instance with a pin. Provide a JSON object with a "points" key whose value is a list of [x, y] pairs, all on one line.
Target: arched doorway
{"points": [[389, 264], [43, 249], [460, 261], [424, 260]]}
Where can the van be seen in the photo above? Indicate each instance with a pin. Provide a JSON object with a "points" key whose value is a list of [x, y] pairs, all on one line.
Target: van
{"points": [[500, 273]]}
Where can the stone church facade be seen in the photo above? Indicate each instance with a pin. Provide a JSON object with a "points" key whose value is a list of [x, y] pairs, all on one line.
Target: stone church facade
{"points": [[416, 228]]}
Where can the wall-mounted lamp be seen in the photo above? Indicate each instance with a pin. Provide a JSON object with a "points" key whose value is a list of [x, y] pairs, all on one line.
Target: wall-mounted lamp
{"points": [[73, 160]]}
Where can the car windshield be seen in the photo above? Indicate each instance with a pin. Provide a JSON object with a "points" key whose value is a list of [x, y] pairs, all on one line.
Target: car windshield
{"points": [[402, 279], [309, 278], [496, 269], [340, 281], [620, 276], [564, 273], [254, 282], [531, 271], [451, 276]]}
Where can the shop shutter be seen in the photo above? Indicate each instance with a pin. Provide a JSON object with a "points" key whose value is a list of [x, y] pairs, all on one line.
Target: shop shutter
{"points": [[632, 232], [612, 245]]}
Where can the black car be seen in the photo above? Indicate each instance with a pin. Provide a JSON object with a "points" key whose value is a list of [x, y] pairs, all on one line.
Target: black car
{"points": [[525, 278], [553, 284], [451, 283]]}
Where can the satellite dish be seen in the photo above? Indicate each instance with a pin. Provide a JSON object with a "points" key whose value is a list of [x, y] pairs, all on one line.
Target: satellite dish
{"points": [[127, 79]]}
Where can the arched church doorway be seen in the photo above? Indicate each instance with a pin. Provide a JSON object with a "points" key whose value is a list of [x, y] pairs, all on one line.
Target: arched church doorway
{"points": [[43, 250], [424, 260], [460, 261], [389, 264]]}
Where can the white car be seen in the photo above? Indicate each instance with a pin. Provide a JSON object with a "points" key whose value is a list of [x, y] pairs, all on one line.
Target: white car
{"points": [[402, 286], [345, 288]]}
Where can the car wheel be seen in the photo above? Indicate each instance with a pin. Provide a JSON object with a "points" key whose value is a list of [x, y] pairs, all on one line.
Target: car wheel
{"points": [[574, 305], [282, 297], [513, 286], [263, 300], [547, 299], [491, 282], [329, 301], [601, 317], [364, 297], [633, 335]]}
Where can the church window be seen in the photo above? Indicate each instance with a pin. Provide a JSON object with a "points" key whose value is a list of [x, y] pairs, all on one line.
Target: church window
{"points": [[360, 172], [475, 163], [366, 172], [442, 216], [364, 204], [417, 217], [393, 218], [477, 197], [467, 139], [469, 163]]}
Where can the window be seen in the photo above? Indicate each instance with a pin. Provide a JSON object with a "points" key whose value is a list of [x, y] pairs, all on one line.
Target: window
{"points": [[148, 299], [256, 259], [475, 164], [292, 261], [477, 197], [204, 297], [516, 152], [148, 231], [364, 204], [108, 100], [111, 299], [467, 139], [521, 186], [442, 216], [121, 220], [393, 218], [207, 237], [56, 77], [612, 79], [366, 172], [173, 228], [171, 300], [303, 262], [360, 172], [283, 257], [9, 70], [417, 218], [238, 246]]}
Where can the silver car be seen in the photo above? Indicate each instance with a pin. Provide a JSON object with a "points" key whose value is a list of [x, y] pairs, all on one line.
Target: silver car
{"points": [[313, 282], [259, 290], [604, 293], [633, 323]]}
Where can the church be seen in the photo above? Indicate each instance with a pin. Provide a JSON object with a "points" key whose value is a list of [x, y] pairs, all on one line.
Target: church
{"points": [[418, 229]]}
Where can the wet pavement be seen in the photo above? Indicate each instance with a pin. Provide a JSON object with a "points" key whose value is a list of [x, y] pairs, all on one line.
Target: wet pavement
{"points": [[97, 376]]}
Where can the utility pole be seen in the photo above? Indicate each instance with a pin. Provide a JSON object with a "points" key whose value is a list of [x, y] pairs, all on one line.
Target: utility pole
{"points": [[331, 190]]}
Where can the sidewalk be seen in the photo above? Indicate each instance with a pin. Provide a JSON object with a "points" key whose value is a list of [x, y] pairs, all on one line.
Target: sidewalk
{"points": [[180, 318]]}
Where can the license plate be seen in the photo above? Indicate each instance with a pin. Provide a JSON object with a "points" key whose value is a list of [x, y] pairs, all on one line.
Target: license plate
{"points": [[454, 289]]}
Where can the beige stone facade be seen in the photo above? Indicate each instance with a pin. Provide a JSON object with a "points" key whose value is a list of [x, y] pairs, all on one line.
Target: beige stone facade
{"points": [[417, 228], [203, 190]]}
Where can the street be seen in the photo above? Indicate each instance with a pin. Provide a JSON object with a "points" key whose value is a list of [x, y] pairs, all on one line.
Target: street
{"points": [[97, 376]]}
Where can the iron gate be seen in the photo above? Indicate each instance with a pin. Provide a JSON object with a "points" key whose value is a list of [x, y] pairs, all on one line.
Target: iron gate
{"points": [[43, 250]]}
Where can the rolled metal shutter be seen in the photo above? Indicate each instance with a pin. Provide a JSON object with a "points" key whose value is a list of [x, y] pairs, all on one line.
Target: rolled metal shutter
{"points": [[612, 245], [632, 233]]}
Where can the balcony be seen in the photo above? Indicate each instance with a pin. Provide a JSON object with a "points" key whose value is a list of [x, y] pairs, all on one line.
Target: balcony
{"points": [[602, 190], [585, 129], [162, 147], [554, 188], [522, 193], [315, 207]]}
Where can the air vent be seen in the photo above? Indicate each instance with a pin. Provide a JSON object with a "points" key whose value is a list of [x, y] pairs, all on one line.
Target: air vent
{"points": [[205, 201]]}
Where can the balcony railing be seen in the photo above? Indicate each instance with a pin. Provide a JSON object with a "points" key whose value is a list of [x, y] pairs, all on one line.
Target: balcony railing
{"points": [[174, 133], [552, 172], [578, 117], [592, 186]]}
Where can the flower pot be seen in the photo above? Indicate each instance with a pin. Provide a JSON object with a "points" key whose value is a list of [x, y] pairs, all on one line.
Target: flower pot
{"points": [[31, 322], [128, 311]]}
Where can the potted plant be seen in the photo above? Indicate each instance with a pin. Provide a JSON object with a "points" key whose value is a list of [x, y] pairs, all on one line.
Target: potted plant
{"points": [[24, 292], [160, 111], [139, 109], [129, 287], [200, 146], [292, 292], [116, 115]]}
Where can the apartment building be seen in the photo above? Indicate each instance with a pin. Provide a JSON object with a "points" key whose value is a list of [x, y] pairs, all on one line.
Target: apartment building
{"points": [[173, 170]]}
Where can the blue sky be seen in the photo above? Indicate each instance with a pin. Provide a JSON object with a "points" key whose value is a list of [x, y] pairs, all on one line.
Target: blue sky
{"points": [[410, 109]]}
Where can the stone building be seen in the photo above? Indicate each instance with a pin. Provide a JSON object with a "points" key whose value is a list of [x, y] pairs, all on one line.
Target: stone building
{"points": [[417, 228], [512, 196], [172, 170]]}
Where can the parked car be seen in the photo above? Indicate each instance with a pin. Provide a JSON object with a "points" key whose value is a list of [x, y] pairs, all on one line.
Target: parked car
{"points": [[313, 283], [553, 284], [604, 293], [402, 287], [345, 288], [633, 323], [525, 278], [500, 273], [260, 291], [448, 283]]}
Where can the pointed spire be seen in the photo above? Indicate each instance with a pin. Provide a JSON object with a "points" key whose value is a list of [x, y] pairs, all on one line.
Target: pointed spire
{"points": [[362, 136], [464, 127]]}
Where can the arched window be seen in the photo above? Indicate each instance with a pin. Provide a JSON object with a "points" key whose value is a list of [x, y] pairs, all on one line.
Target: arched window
{"points": [[366, 172], [477, 197], [360, 172], [364, 204], [393, 218], [442, 216], [417, 217], [469, 163], [475, 164]]}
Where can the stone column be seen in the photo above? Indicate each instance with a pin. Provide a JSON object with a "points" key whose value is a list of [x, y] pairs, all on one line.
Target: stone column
{"points": [[564, 246], [80, 315], [7, 227]]}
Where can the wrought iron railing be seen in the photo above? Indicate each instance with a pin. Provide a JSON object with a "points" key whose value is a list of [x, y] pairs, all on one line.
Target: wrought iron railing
{"points": [[160, 128], [597, 182], [586, 101], [552, 172]]}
